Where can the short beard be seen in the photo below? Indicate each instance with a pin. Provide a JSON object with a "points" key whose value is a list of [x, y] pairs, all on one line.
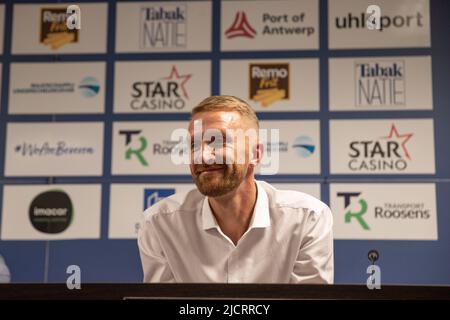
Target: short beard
{"points": [[232, 178]]}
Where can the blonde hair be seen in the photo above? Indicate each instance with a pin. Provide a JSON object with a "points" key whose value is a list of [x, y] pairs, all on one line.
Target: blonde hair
{"points": [[227, 103]]}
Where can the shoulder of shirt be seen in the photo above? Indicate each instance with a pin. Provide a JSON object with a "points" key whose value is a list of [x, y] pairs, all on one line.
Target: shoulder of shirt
{"points": [[190, 201], [292, 199]]}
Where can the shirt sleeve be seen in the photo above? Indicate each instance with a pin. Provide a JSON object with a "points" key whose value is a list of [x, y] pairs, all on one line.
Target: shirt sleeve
{"points": [[154, 263], [314, 263]]}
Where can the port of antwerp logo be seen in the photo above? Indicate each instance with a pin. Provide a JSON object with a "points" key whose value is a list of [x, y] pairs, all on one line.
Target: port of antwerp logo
{"points": [[349, 215], [131, 153], [240, 27]]}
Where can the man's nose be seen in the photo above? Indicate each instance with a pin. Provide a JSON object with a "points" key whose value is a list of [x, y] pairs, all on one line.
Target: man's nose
{"points": [[208, 154]]}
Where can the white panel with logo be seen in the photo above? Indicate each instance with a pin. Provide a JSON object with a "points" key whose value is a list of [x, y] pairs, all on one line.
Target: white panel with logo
{"points": [[144, 148], [295, 151], [128, 202], [313, 189], [273, 85], [395, 211], [160, 86], [2, 26], [42, 29], [381, 83], [56, 88], [163, 26], [54, 149], [269, 25], [387, 146], [388, 24], [51, 212]]}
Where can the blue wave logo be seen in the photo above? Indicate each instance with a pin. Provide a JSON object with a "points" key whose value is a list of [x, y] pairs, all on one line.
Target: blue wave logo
{"points": [[304, 146], [89, 87]]}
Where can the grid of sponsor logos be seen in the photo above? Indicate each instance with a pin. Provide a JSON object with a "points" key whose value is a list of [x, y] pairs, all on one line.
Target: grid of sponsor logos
{"points": [[97, 105]]}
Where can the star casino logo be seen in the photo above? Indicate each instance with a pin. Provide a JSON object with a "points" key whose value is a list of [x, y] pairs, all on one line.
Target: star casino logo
{"points": [[388, 153], [165, 93]]}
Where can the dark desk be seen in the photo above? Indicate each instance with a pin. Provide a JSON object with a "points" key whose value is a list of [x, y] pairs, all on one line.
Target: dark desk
{"points": [[220, 291]]}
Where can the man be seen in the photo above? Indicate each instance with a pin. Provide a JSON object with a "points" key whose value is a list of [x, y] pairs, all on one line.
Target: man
{"points": [[233, 228]]}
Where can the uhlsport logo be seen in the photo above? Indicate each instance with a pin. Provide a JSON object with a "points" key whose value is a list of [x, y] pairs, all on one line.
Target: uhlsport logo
{"points": [[304, 146], [380, 83], [386, 22], [89, 87], [240, 27], [51, 211], [152, 196], [54, 31], [135, 138], [357, 215], [269, 82], [163, 26], [389, 152], [168, 92]]}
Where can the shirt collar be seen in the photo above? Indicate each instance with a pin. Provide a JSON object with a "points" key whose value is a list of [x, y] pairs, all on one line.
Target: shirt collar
{"points": [[260, 216]]}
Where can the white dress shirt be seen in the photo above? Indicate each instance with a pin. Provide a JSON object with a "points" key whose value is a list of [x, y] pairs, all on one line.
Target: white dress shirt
{"points": [[289, 240]]}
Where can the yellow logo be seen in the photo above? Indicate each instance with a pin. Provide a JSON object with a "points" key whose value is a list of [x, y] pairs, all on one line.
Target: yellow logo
{"points": [[269, 82], [54, 31]]}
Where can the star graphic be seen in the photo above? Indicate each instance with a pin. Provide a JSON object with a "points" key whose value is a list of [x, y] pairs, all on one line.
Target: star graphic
{"points": [[406, 137], [174, 75]]}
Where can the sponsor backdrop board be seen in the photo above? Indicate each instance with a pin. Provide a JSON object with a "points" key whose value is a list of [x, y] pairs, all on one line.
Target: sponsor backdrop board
{"points": [[146, 148], [401, 24], [312, 189], [388, 146], [273, 85], [291, 147], [51, 212], [54, 88], [381, 83], [160, 86], [361, 108], [128, 202], [164, 26], [384, 211], [42, 29], [269, 25], [54, 149]]}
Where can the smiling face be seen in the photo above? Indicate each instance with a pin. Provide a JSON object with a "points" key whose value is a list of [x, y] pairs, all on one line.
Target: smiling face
{"points": [[218, 166]]}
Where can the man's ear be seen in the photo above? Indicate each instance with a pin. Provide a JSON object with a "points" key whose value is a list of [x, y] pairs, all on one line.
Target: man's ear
{"points": [[257, 154]]}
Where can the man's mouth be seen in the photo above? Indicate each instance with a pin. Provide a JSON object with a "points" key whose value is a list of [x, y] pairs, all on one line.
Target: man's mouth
{"points": [[209, 169]]}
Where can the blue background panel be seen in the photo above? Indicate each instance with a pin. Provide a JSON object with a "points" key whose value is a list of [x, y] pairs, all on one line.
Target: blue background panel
{"points": [[103, 260]]}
